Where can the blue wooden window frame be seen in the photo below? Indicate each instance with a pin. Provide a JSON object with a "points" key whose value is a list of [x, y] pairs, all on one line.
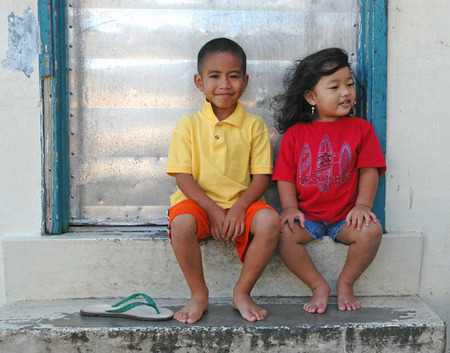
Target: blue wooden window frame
{"points": [[52, 71], [372, 71], [372, 57]]}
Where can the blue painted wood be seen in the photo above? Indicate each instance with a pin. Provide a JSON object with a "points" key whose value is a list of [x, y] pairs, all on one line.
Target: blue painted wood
{"points": [[52, 63], [45, 21], [372, 72], [61, 122]]}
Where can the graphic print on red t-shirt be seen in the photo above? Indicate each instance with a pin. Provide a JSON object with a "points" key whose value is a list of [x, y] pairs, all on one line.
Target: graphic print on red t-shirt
{"points": [[305, 165], [322, 176]]}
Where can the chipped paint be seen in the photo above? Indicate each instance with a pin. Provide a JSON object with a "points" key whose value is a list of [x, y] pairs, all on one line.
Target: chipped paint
{"points": [[23, 42]]}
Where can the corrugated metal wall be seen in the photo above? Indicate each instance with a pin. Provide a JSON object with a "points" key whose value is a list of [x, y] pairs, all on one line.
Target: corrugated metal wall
{"points": [[130, 78]]}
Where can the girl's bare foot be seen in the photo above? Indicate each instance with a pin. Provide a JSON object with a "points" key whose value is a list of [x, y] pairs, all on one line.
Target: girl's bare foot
{"points": [[247, 307], [193, 310], [346, 299], [319, 301]]}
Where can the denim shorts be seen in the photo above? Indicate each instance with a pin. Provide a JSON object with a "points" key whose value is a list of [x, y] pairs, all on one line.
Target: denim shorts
{"points": [[318, 230]]}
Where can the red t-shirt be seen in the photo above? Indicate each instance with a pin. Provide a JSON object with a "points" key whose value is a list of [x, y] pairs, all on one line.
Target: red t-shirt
{"points": [[323, 159]]}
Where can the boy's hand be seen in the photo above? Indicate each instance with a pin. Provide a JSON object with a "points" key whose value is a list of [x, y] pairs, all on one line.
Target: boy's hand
{"points": [[360, 215], [234, 225], [216, 218], [289, 215]]}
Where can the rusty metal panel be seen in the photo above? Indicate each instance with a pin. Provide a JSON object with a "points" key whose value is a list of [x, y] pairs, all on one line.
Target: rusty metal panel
{"points": [[130, 78]]}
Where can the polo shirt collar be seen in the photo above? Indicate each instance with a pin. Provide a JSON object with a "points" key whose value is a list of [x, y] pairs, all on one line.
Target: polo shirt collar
{"points": [[236, 119]]}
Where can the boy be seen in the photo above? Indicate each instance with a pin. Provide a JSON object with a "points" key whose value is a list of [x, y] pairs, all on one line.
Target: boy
{"points": [[221, 158]]}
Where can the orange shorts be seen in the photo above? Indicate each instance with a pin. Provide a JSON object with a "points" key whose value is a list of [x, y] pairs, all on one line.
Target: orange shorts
{"points": [[203, 231]]}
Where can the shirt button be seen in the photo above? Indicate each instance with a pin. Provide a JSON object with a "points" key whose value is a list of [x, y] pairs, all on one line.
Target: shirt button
{"points": [[220, 125], [217, 137]]}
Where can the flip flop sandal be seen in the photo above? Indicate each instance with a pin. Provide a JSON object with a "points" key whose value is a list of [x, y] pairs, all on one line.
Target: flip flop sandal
{"points": [[147, 311]]}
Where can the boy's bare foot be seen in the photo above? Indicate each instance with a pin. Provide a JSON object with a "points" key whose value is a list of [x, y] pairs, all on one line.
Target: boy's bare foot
{"points": [[193, 310], [346, 299], [319, 301], [247, 308]]}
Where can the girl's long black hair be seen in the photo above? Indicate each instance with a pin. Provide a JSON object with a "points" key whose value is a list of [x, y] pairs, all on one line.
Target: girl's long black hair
{"points": [[291, 107]]}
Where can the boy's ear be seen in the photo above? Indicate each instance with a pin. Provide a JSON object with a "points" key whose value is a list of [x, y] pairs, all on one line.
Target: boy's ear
{"points": [[198, 82], [310, 97], [245, 81]]}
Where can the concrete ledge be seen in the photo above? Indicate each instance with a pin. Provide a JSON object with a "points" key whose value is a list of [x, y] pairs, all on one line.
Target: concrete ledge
{"points": [[115, 265], [383, 325]]}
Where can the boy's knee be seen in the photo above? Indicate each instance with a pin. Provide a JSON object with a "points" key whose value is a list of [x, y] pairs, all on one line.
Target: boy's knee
{"points": [[268, 222], [183, 225]]}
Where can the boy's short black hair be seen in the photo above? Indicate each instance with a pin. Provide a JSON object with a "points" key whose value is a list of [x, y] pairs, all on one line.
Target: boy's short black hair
{"points": [[220, 45]]}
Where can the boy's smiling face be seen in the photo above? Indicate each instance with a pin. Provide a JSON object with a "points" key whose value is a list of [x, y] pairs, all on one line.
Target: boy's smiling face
{"points": [[222, 81]]}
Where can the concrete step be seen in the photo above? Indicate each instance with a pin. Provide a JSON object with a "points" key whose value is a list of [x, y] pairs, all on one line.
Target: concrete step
{"points": [[384, 324], [102, 265]]}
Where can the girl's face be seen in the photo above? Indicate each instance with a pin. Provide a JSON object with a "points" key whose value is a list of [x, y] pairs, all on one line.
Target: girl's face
{"points": [[333, 96]]}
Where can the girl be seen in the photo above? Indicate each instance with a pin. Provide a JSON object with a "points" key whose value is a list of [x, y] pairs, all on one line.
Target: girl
{"points": [[327, 173]]}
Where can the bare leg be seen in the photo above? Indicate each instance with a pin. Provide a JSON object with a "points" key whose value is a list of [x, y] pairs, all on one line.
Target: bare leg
{"points": [[297, 259], [189, 257], [266, 229], [363, 248]]}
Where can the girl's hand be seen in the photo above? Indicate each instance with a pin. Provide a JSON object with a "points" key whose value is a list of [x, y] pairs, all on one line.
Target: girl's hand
{"points": [[360, 215], [289, 215], [234, 224]]}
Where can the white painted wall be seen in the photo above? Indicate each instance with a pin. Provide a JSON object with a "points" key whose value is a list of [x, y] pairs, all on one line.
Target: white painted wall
{"points": [[20, 149], [418, 137]]}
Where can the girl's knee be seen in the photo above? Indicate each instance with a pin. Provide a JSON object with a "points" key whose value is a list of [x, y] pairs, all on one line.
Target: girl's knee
{"points": [[372, 235], [298, 236], [286, 237]]}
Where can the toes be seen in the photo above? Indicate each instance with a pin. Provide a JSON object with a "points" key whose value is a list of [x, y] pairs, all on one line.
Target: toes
{"points": [[310, 308], [251, 318], [344, 307], [187, 317], [256, 315], [248, 309], [321, 310], [358, 305], [180, 317], [350, 306], [315, 308], [191, 320], [261, 314]]}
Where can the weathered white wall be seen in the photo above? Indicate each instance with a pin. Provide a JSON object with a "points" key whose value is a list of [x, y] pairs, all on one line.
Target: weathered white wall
{"points": [[20, 149], [418, 137]]}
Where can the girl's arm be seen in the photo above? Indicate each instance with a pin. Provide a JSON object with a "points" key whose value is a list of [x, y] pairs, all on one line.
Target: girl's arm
{"points": [[288, 198], [216, 215], [367, 188]]}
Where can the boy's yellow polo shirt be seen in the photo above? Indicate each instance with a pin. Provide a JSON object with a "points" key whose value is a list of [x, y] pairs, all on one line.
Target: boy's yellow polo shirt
{"points": [[220, 155]]}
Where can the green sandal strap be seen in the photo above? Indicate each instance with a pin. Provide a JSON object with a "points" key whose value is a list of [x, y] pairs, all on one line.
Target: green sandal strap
{"points": [[145, 296], [148, 299], [131, 306]]}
